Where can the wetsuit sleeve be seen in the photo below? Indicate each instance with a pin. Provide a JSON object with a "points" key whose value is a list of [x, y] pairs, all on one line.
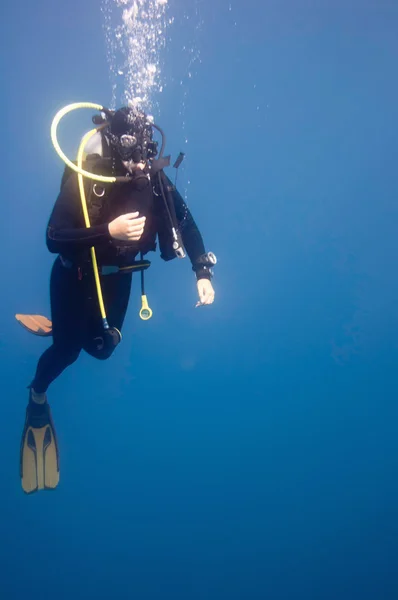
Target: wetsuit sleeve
{"points": [[66, 228], [191, 236]]}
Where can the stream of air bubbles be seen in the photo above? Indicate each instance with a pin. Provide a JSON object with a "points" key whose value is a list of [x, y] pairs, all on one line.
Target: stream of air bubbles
{"points": [[135, 32]]}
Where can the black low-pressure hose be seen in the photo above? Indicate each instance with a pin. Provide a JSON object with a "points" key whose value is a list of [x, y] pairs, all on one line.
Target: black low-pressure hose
{"points": [[162, 133]]}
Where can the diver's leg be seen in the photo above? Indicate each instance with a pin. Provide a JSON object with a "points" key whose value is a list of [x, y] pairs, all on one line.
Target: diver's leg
{"points": [[39, 456], [51, 364], [67, 315], [116, 291]]}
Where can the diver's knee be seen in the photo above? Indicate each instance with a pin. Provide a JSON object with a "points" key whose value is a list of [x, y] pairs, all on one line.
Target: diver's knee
{"points": [[102, 347], [65, 354], [103, 354], [71, 355]]}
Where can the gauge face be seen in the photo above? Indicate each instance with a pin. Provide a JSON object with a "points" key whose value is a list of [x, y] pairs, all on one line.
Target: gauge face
{"points": [[212, 258]]}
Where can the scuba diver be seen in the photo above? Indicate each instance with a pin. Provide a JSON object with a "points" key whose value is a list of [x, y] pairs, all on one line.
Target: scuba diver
{"points": [[101, 237]]}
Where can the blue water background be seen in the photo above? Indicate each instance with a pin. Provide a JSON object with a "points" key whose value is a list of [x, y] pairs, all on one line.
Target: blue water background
{"points": [[249, 450]]}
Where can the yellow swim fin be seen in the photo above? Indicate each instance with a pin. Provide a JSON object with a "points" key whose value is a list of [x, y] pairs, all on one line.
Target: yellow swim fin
{"points": [[39, 460], [36, 324]]}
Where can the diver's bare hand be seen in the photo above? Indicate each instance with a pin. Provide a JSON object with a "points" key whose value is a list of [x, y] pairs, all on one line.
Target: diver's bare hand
{"points": [[128, 228], [205, 291]]}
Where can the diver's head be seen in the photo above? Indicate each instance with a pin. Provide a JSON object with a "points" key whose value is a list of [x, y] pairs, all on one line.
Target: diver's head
{"points": [[130, 136]]}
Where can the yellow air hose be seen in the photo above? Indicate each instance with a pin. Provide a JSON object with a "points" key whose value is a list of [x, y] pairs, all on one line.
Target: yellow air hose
{"points": [[54, 126], [80, 153]]}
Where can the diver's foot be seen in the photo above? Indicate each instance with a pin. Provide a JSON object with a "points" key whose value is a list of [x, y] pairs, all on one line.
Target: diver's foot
{"points": [[37, 398]]}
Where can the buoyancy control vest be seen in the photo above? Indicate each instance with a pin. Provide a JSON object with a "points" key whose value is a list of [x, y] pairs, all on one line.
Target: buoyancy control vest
{"points": [[107, 201]]}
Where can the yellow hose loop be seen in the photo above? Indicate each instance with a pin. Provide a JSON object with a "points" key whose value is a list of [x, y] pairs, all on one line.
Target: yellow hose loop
{"points": [[54, 125], [145, 312], [80, 153]]}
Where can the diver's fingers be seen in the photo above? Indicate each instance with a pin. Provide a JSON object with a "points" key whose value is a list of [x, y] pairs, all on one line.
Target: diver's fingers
{"points": [[205, 301], [208, 299], [136, 223], [134, 227], [135, 236], [135, 232]]}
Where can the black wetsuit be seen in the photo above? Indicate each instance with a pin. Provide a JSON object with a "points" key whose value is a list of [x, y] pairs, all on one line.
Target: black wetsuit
{"points": [[76, 318]]}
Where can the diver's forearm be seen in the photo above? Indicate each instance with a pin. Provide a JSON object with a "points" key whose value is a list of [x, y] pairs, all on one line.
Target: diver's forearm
{"points": [[65, 238], [194, 245]]}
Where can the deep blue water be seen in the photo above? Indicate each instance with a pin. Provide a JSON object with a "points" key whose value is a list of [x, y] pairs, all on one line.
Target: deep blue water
{"points": [[248, 450]]}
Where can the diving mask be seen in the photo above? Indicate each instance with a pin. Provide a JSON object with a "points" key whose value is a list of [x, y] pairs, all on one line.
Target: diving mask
{"points": [[131, 135]]}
